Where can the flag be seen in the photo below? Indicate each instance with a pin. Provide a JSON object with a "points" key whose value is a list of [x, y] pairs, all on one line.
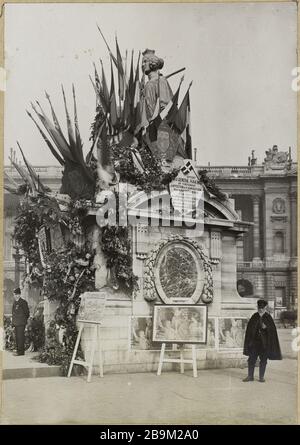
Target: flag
{"points": [[97, 79], [113, 103], [168, 113], [23, 173], [56, 136], [54, 118], [104, 90], [120, 71], [94, 86], [50, 146], [182, 123], [33, 176], [105, 167], [78, 142], [187, 168], [181, 118], [37, 185], [131, 85], [12, 190], [109, 50], [11, 180], [127, 109], [141, 117], [69, 126], [137, 160]]}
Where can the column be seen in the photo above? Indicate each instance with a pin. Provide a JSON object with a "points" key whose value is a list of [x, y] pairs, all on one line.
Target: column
{"points": [[293, 227], [240, 248], [256, 228]]}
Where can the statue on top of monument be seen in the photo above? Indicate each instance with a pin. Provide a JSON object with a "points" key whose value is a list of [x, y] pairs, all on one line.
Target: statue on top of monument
{"points": [[165, 143], [157, 86]]}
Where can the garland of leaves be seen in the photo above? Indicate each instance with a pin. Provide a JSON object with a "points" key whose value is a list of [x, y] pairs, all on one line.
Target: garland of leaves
{"points": [[152, 178], [116, 247], [69, 272]]}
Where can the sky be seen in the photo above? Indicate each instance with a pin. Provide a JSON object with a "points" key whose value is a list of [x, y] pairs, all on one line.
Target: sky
{"points": [[239, 57]]}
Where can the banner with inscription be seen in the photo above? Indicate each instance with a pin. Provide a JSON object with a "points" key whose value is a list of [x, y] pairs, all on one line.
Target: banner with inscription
{"points": [[186, 190]]}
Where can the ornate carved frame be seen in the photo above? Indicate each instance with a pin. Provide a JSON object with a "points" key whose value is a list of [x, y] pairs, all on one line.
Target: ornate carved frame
{"points": [[152, 288]]}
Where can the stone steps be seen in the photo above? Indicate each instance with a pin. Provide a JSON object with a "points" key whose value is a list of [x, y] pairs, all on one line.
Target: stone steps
{"points": [[20, 367]]}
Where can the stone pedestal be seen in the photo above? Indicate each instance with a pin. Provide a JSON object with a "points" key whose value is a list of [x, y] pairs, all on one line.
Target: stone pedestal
{"points": [[160, 252]]}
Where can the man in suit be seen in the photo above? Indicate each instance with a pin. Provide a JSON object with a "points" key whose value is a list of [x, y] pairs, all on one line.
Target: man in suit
{"points": [[261, 340], [20, 314]]}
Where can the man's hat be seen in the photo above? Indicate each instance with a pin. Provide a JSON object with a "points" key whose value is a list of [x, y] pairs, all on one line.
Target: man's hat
{"points": [[17, 291], [261, 304]]}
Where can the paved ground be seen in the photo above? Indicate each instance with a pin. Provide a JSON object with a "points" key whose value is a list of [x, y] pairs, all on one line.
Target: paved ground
{"points": [[215, 397]]}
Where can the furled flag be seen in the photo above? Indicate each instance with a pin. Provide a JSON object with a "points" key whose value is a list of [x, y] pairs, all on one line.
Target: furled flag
{"points": [[56, 136], [50, 146], [131, 86], [104, 91], [24, 175], [106, 172], [121, 75], [36, 185], [182, 122], [69, 127], [97, 79], [113, 103]]}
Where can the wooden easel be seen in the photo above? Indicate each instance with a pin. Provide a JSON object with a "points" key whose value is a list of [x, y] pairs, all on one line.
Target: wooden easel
{"points": [[180, 360], [96, 338]]}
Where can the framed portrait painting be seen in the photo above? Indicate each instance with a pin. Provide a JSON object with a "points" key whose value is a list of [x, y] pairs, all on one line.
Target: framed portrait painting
{"points": [[180, 324], [231, 332], [140, 334]]}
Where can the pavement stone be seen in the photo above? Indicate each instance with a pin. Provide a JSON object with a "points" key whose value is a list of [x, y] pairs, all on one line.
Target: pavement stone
{"points": [[215, 397]]}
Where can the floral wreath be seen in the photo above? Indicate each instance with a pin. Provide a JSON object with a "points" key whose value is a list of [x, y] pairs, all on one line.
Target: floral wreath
{"points": [[150, 293]]}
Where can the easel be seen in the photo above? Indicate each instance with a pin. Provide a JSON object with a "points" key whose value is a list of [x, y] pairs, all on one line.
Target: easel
{"points": [[180, 360], [96, 337]]}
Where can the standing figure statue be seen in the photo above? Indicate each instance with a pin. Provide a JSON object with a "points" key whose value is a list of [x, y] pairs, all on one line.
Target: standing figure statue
{"points": [[157, 85], [165, 143]]}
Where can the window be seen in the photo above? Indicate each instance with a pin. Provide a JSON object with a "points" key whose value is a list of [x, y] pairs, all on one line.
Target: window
{"points": [[278, 243]]}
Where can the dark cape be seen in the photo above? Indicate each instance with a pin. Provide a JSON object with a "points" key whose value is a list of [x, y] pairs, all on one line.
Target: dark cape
{"points": [[271, 341]]}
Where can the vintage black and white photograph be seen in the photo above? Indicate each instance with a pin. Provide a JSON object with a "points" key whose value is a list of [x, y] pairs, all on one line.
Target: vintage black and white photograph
{"points": [[150, 213]]}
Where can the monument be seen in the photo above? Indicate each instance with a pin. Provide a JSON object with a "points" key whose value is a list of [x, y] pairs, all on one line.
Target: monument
{"points": [[167, 239]]}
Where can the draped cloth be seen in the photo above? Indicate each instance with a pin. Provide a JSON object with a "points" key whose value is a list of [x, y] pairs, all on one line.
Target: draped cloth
{"points": [[156, 87]]}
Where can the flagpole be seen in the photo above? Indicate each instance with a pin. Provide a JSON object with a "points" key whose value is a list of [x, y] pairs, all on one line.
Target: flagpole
{"points": [[158, 91], [125, 74], [175, 72]]}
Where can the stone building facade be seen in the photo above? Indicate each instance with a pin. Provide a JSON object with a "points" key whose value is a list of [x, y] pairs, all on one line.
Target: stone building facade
{"points": [[266, 195]]}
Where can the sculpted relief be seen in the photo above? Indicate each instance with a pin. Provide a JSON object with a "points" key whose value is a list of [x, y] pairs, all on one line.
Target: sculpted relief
{"points": [[278, 206]]}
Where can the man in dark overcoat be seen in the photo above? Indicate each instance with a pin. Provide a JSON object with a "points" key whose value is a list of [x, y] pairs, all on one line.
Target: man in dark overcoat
{"points": [[261, 340], [20, 314]]}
